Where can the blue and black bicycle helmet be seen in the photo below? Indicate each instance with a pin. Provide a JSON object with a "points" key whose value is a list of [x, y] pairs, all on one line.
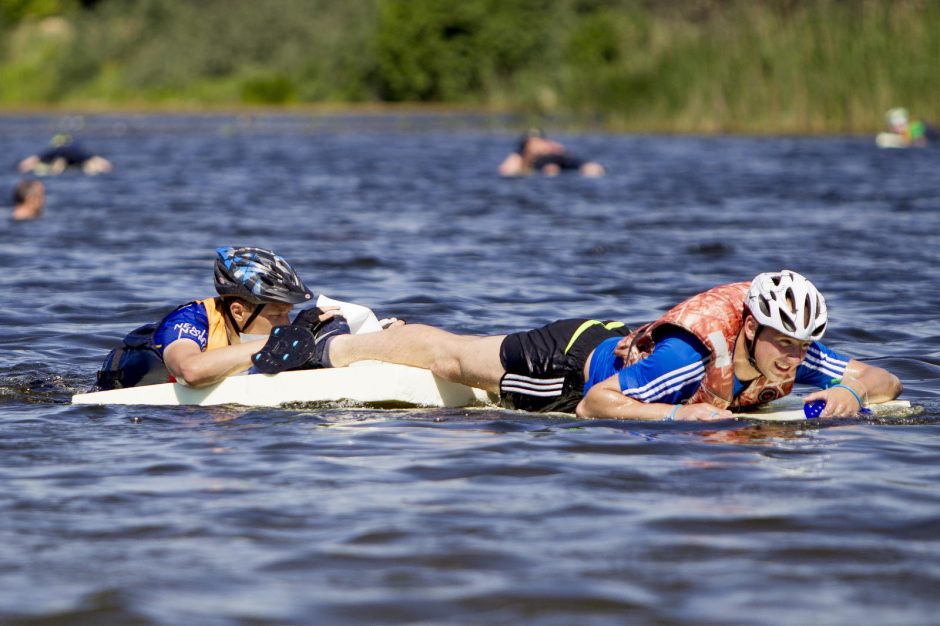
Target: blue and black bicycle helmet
{"points": [[257, 275]]}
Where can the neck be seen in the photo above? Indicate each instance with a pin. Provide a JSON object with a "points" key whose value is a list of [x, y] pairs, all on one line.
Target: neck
{"points": [[25, 211], [742, 365], [231, 326], [231, 334]]}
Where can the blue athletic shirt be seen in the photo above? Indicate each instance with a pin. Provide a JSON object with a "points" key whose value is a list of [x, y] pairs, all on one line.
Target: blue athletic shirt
{"points": [[187, 322], [676, 367]]}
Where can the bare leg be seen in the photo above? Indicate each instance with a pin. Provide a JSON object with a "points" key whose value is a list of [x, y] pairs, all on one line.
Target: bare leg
{"points": [[96, 165], [466, 359], [592, 169]]}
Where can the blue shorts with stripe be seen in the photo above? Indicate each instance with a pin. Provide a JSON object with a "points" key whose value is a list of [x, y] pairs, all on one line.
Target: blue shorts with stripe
{"points": [[544, 368]]}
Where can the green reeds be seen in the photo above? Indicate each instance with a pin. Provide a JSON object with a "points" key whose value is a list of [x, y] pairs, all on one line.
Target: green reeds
{"points": [[771, 66], [823, 66]]}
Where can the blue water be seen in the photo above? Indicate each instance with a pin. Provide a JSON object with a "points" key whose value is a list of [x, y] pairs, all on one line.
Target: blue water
{"points": [[336, 515]]}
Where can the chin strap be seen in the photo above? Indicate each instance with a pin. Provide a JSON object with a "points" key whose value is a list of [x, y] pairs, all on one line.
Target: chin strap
{"points": [[227, 309], [749, 344]]}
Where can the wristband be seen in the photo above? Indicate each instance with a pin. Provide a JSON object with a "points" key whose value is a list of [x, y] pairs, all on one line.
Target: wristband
{"points": [[853, 392], [672, 413]]}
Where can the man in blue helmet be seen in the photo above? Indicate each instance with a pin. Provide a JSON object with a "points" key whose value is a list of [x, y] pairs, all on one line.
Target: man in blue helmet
{"points": [[204, 341]]}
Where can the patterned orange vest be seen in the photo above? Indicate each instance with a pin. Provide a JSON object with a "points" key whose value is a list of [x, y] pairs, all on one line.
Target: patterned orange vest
{"points": [[715, 318]]}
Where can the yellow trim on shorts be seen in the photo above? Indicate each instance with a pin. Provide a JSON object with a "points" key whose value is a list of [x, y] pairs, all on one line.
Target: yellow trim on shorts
{"points": [[583, 327]]}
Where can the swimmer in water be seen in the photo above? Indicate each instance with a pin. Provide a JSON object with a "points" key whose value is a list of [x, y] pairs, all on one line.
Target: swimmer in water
{"points": [[536, 153], [64, 153]]}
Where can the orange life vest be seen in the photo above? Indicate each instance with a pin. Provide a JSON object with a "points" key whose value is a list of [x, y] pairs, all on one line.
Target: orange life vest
{"points": [[218, 338], [715, 317]]}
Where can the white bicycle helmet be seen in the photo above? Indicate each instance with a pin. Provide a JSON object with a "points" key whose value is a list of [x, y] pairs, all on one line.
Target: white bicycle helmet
{"points": [[789, 303], [897, 117]]}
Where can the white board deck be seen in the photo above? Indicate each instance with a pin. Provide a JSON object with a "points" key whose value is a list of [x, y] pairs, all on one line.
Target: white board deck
{"points": [[366, 382], [791, 410], [891, 140]]}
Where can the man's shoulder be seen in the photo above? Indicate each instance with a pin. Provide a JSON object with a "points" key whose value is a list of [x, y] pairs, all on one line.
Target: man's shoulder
{"points": [[194, 310], [187, 321]]}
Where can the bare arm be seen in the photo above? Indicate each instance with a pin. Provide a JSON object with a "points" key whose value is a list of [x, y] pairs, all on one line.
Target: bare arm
{"points": [[187, 363], [28, 164], [880, 384], [512, 165], [606, 400], [869, 382]]}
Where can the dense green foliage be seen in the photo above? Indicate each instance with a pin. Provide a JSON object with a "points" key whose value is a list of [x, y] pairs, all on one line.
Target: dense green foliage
{"points": [[688, 65]]}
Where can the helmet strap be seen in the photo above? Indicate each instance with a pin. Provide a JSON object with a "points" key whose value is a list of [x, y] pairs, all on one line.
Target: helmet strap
{"points": [[254, 315], [750, 345], [227, 309]]}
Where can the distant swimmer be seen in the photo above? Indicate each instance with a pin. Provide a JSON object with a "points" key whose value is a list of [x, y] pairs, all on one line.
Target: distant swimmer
{"points": [[904, 133], [64, 152], [734, 346], [536, 153], [29, 197]]}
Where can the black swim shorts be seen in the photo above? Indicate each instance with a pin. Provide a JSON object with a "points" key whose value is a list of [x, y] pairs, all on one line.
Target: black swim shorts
{"points": [[564, 161], [545, 367]]}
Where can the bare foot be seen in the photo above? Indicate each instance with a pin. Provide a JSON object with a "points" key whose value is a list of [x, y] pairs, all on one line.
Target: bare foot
{"points": [[391, 322], [592, 170]]}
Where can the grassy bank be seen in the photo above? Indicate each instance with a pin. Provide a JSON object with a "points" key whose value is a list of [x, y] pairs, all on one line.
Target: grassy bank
{"points": [[681, 65]]}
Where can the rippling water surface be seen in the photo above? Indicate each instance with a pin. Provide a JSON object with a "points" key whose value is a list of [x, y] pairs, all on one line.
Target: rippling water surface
{"points": [[339, 515]]}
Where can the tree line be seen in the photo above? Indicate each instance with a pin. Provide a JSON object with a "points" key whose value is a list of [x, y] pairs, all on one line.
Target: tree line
{"points": [[670, 65]]}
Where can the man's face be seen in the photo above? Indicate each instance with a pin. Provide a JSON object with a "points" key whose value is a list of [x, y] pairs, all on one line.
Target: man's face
{"points": [[778, 355]]}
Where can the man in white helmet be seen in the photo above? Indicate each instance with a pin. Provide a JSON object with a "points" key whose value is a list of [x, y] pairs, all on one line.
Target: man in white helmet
{"points": [[733, 346], [909, 133]]}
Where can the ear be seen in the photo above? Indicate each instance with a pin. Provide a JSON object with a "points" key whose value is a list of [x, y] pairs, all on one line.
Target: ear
{"points": [[750, 328], [239, 311]]}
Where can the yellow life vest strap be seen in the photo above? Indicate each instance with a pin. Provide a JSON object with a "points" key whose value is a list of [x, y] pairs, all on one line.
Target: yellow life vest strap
{"points": [[218, 337]]}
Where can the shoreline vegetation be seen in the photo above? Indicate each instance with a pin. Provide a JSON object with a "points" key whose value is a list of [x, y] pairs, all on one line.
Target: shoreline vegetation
{"points": [[668, 66]]}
